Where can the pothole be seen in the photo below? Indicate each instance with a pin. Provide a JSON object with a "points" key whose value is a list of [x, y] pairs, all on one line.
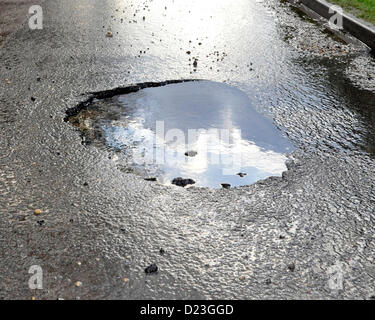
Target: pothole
{"points": [[200, 133]]}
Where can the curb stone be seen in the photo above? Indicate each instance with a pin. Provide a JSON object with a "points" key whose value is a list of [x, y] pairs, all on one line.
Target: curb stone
{"points": [[359, 29]]}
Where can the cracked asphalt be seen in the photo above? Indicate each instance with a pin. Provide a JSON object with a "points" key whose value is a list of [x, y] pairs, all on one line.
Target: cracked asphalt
{"points": [[276, 239]]}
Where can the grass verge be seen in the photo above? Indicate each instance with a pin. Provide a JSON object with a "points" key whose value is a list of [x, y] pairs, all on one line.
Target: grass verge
{"points": [[364, 9]]}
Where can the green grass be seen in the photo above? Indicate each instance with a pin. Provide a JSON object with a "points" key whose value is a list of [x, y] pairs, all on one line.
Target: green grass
{"points": [[364, 9]]}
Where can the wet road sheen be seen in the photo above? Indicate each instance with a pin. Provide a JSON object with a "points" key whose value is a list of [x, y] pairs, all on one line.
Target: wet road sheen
{"points": [[101, 223]]}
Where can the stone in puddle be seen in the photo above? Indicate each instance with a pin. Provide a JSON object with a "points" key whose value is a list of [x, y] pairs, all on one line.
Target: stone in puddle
{"points": [[226, 185], [242, 174], [191, 153], [151, 269], [151, 179], [182, 182]]}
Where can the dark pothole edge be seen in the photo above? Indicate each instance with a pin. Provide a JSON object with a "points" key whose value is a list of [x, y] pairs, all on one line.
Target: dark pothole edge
{"points": [[84, 105]]}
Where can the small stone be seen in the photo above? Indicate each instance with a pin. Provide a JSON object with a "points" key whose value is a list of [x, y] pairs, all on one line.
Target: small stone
{"points": [[151, 269], [40, 222], [191, 153], [151, 179], [162, 251], [79, 263], [188, 52], [242, 278], [292, 267], [32, 99], [182, 182], [78, 284], [268, 281], [125, 280], [109, 34], [242, 174], [226, 185], [37, 212], [85, 184]]}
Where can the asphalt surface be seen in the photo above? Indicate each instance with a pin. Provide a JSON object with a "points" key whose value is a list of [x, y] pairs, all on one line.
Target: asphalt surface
{"points": [[278, 238]]}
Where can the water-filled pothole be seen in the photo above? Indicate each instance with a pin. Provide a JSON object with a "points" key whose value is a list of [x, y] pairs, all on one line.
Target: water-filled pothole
{"points": [[204, 131]]}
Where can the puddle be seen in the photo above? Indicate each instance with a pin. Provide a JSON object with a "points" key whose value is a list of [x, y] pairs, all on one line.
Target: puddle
{"points": [[200, 130]]}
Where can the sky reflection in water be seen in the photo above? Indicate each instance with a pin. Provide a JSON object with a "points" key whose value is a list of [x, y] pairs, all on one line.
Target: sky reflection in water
{"points": [[213, 119]]}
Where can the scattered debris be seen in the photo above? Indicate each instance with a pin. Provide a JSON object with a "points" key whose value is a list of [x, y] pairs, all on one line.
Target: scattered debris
{"points": [[32, 99], [151, 269], [242, 174], [182, 182], [78, 284], [125, 280], [109, 34], [37, 212], [191, 153], [40, 222], [292, 267], [151, 179], [162, 251]]}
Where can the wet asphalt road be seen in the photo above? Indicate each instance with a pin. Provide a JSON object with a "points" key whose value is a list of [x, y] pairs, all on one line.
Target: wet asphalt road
{"points": [[278, 238]]}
